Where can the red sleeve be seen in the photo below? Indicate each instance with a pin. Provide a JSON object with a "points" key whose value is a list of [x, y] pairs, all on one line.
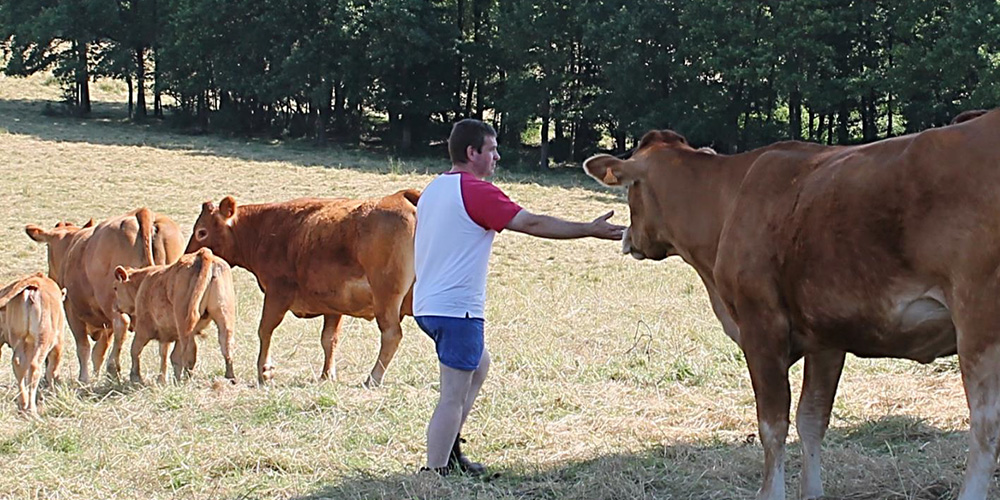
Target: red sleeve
{"points": [[487, 204]]}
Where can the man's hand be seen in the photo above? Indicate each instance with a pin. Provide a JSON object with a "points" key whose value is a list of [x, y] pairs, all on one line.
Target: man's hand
{"points": [[600, 228]]}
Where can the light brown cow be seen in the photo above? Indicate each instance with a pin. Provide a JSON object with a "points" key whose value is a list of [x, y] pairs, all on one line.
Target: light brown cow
{"points": [[32, 322], [890, 249], [83, 260], [174, 303], [321, 257]]}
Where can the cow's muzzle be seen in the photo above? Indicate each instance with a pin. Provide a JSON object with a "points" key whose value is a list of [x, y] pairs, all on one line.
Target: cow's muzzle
{"points": [[627, 246]]}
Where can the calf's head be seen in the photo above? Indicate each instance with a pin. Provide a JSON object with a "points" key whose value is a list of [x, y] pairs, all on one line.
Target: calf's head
{"points": [[125, 291]]}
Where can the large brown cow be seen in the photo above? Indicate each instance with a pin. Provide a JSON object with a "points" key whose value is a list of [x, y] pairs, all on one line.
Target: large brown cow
{"points": [[321, 257], [890, 249], [83, 260], [174, 303], [32, 323]]}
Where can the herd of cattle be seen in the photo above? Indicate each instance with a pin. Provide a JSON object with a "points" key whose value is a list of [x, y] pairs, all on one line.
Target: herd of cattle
{"points": [[312, 257], [889, 249]]}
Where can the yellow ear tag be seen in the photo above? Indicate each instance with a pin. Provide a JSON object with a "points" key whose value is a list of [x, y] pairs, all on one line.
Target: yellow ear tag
{"points": [[609, 178]]}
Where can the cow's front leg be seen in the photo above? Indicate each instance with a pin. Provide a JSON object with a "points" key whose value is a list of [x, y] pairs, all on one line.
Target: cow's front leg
{"points": [[82, 340], [977, 325], [329, 339], [765, 344], [100, 350], [819, 387], [275, 306]]}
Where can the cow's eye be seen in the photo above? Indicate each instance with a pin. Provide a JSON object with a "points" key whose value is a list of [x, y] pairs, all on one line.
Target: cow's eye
{"points": [[201, 234]]}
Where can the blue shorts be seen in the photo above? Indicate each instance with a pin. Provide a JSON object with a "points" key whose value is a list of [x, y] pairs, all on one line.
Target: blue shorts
{"points": [[458, 341]]}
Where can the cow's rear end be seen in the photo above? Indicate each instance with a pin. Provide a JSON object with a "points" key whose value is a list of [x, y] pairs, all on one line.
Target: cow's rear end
{"points": [[31, 321]]}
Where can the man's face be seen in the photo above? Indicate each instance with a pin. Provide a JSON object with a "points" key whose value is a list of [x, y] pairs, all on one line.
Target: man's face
{"points": [[484, 162]]}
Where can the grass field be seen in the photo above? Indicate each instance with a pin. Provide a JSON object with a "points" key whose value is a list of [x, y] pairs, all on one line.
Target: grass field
{"points": [[611, 377]]}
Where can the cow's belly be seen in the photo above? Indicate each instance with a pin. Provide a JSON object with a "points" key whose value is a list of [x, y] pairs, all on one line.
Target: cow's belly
{"points": [[351, 298], [915, 326]]}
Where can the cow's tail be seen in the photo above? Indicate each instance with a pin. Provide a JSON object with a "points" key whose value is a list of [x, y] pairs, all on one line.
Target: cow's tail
{"points": [[146, 228], [192, 313], [28, 300], [10, 291]]}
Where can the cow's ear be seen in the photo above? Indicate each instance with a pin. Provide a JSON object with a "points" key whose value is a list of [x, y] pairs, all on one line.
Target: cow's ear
{"points": [[90, 223], [36, 233], [121, 274], [227, 207], [610, 171]]}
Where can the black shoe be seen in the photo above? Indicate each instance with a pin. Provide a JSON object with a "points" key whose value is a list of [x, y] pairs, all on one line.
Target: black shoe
{"points": [[458, 460], [441, 471]]}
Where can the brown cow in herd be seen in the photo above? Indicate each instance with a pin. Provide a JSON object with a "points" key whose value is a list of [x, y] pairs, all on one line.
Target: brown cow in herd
{"points": [[321, 257], [32, 323], [174, 303], [83, 259], [889, 249]]}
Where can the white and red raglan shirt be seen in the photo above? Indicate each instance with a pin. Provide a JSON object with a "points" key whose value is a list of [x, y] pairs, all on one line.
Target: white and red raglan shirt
{"points": [[457, 217]]}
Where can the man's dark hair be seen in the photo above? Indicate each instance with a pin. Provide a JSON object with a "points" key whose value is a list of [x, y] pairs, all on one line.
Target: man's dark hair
{"points": [[465, 133]]}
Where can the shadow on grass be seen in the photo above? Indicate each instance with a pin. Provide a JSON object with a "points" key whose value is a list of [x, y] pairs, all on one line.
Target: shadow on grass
{"points": [[891, 458], [108, 125]]}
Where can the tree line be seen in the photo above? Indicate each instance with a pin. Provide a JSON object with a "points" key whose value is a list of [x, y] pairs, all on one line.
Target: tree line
{"points": [[734, 74]]}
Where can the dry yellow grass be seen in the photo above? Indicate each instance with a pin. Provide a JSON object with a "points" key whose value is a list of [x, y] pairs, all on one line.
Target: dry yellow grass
{"points": [[611, 377]]}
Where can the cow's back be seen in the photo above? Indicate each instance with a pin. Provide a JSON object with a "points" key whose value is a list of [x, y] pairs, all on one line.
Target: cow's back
{"points": [[137, 239]]}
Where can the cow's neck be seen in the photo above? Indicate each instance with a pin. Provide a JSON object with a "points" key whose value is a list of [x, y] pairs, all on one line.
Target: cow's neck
{"points": [[701, 198], [247, 234]]}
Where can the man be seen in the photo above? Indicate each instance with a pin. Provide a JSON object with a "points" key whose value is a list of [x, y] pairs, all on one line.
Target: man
{"points": [[458, 215]]}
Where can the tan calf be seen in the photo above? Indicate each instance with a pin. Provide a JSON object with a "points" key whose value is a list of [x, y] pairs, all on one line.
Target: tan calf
{"points": [[31, 322], [173, 303]]}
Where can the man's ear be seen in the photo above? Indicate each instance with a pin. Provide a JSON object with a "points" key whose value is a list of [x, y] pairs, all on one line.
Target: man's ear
{"points": [[36, 233], [611, 171], [121, 274]]}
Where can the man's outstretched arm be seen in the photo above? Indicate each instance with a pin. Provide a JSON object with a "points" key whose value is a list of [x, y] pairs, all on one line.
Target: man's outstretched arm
{"points": [[545, 226]]}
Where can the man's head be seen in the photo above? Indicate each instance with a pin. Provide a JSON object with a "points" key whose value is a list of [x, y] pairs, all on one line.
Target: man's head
{"points": [[473, 145]]}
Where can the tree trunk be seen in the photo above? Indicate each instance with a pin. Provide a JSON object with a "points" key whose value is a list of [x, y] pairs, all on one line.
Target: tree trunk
{"points": [[83, 79], [842, 118], [795, 115], [543, 159], [131, 104], [140, 79]]}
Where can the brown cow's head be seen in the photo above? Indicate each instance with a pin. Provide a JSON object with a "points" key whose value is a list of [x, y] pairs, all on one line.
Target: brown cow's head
{"points": [[213, 229], [125, 290], [645, 175], [57, 241]]}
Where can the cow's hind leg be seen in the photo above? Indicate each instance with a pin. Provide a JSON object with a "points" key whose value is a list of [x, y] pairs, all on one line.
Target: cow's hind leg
{"points": [[20, 364], [388, 319], [977, 322], [225, 322], [819, 387], [52, 363], [329, 339]]}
